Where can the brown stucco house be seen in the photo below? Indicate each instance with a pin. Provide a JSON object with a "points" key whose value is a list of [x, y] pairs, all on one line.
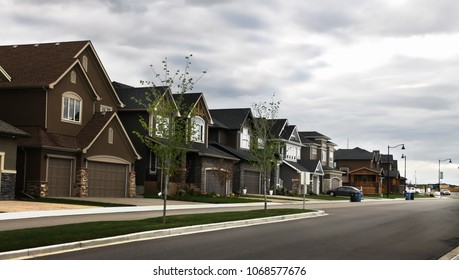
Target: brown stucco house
{"points": [[62, 96]]}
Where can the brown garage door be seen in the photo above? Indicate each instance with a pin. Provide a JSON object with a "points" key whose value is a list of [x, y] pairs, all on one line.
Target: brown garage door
{"points": [[252, 181], [107, 179], [60, 177]]}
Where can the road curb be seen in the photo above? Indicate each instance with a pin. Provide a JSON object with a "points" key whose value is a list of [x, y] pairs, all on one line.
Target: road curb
{"points": [[453, 255], [40, 251]]}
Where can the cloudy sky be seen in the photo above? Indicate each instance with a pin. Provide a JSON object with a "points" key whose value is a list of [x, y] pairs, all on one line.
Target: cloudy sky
{"points": [[366, 73]]}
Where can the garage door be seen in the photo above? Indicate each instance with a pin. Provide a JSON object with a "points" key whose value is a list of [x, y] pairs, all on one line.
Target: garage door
{"points": [[216, 182], [107, 179], [60, 177], [252, 182]]}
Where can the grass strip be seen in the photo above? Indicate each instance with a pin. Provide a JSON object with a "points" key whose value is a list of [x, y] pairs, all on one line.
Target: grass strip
{"points": [[44, 236], [214, 199]]}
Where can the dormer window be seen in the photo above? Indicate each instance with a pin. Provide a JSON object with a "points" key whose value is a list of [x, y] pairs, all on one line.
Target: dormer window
{"points": [[198, 129], [71, 107]]}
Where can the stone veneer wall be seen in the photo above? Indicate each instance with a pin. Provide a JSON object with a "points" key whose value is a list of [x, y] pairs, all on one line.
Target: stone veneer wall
{"points": [[80, 189], [7, 186], [132, 186], [37, 189]]}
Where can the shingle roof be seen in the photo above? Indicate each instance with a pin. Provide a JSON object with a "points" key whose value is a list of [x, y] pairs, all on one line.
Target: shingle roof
{"points": [[38, 65], [230, 118], [353, 154], [7, 129], [278, 127], [93, 128], [129, 95], [241, 154], [211, 151]]}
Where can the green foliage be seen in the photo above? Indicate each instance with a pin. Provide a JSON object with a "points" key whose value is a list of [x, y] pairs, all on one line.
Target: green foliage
{"points": [[264, 146]]}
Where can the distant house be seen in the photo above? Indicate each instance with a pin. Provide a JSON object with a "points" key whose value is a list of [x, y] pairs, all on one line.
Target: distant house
{"points": [[61, 95], [231, 132], [318, 147], [293, 175], [361, 169], [208, 169], [8, 149]]}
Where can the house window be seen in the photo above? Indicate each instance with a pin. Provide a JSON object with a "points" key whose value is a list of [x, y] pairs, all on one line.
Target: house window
{"points": [[324, 156], [73, 77], [110, 135], [245, 138], [85, 63], [198, 133], [153, 163], [104, 108], [162, 126], [71, 107]]}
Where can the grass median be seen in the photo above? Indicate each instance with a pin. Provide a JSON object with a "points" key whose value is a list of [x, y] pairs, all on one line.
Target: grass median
{"points": [[38, 237]]}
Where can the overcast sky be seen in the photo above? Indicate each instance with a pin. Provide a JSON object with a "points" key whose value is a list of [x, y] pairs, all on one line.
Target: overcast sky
{"points": [[368, 74]]}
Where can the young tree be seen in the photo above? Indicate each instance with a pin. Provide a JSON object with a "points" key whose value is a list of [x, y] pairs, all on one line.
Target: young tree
{"points": [[264, 147], [167, 133]]}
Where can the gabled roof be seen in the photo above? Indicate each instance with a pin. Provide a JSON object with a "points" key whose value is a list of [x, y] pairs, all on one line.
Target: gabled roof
{"points": [[94, 128], [230, 118], [313, 166], [313, 135], [44, 64], [379, 171], [353, 154], [278, 127], [7, 129], [190, 102]]}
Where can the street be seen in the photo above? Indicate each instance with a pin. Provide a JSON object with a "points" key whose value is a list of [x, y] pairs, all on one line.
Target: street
{"points": [[391, 230]]}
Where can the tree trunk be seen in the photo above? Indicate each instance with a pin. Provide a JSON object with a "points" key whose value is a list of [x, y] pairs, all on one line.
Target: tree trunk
{"points": [[166, 187]]}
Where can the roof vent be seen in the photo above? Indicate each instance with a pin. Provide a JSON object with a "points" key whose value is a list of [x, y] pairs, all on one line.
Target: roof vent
{"points": [[36, 45], [15, 46], [57, 44]]}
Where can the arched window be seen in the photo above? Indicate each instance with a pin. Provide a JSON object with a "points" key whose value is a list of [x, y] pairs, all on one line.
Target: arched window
{"points": [[198, 133], [110, 135], [72, 105]]}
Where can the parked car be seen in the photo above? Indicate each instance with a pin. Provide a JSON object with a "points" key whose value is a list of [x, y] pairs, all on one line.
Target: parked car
{"points": [[445, 192], [343, 191]]}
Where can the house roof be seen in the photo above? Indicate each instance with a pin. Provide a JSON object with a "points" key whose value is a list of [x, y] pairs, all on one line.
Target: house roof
{"points": [[190, 101], [211, 151], [278, 127], [38, 65], [312, 134], [313, 166], [241, 154], [7, 129], [230, 118], [129, 95], [353, 154]]}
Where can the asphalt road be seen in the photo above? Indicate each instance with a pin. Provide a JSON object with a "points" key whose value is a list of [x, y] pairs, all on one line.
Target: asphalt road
{"points": [[414, 230]]}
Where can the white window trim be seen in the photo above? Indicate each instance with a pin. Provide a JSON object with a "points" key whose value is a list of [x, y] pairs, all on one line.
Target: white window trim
{"points": [[199, 129], [74, 96], [245, 138]]}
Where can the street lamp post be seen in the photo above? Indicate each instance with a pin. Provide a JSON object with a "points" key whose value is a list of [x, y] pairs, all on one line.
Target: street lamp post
{"points": [[404, 157], [388, 165], [439, 171]]}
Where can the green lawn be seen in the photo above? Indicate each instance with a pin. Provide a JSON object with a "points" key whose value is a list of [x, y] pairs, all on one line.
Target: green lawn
{"points": [[208, 198], [37, 237]]}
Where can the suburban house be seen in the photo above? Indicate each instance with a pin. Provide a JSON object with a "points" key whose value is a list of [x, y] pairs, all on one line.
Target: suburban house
{"points": [[361, 169], [78, 145], [390, 166], [291, 174], [231, 132], [8, 150], [317, 146], [207, 169]]}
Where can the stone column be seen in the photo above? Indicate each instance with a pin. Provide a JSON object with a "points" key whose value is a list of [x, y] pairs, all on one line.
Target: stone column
{"points": [[81, 185], [132, 186]]}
